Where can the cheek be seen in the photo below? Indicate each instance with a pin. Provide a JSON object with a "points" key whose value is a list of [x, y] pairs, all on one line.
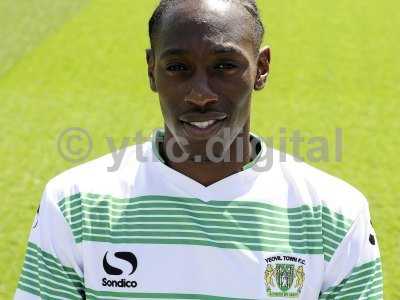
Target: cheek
{"points": [[169, 111], [241, 102], [239, 93], [169, 93], [237, 88], [241, 112]]}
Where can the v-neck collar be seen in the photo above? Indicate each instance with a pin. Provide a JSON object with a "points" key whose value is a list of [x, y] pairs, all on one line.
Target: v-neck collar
{"points": [[241, 181], [158, 137]]}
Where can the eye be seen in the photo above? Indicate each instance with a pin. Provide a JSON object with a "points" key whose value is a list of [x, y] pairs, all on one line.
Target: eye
{"points": [[225, 66], [176, 68]]}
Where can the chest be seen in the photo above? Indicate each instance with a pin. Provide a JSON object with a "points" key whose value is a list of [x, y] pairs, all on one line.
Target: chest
{"points": [[166, 246]]}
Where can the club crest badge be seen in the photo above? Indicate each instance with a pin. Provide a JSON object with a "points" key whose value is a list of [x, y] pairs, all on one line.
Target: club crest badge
{"points": [[284, 276]]}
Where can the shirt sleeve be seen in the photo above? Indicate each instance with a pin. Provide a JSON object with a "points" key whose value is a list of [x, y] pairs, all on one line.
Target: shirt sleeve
{"points": [[355, 270], [52, 266]]}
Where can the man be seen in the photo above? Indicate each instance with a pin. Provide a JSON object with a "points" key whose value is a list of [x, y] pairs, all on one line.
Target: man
{"points": [[193, 214]]}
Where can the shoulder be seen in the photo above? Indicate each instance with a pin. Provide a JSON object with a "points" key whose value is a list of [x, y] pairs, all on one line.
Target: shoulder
{"points": [[319, 188], [108, 174]]}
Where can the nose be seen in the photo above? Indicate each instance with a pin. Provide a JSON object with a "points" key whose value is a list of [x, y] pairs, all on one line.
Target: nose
{"points": [[200, 94]]}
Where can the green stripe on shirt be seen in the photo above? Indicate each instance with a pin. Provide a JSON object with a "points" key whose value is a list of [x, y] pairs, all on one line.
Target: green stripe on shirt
{"points": [[364, 282], [188, 221], [92, 294], [43, 275]]}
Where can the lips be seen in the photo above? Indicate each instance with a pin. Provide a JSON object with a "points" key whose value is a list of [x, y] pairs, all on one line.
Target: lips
{"points": [[202, 125], [203, 117]]}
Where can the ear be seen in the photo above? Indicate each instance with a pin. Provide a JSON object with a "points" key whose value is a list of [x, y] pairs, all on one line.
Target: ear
{"points": [[150, 68], [264, 60]]}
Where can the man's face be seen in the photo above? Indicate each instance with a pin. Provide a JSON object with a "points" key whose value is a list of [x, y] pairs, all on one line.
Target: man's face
{"points": [[204, 70]]}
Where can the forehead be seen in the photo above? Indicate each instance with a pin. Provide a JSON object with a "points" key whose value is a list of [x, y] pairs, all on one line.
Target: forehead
{"points": [[206, 22]]}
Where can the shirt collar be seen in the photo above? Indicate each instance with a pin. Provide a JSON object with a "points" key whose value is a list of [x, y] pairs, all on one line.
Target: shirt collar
{"points": [[158, 138]]}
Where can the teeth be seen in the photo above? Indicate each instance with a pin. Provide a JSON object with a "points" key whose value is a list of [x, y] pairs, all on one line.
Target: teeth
{"points": [[203, 124]]}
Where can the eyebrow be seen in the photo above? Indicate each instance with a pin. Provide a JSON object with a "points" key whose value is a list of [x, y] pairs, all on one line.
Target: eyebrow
{"points": [[220, 49], [227, 49], [173, 51]]}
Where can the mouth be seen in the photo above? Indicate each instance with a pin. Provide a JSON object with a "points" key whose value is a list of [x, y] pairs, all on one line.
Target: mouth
{"points": [[203, 126]]}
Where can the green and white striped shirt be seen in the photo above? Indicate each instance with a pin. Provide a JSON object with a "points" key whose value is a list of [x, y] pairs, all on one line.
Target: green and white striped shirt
{"points": [[145, 231]]}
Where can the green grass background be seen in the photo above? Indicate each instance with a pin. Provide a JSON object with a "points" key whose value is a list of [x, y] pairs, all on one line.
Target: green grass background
{"points": [[66, 63]]}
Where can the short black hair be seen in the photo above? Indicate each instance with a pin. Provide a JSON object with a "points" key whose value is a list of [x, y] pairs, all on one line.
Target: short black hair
{"points": [[249, 5]]}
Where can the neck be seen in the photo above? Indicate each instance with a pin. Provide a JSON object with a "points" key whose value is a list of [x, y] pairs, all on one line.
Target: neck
{"points": [[207, 172]]}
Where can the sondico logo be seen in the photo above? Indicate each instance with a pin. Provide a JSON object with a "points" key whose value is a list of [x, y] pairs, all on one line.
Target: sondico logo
{"points": [[114, 271]]}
